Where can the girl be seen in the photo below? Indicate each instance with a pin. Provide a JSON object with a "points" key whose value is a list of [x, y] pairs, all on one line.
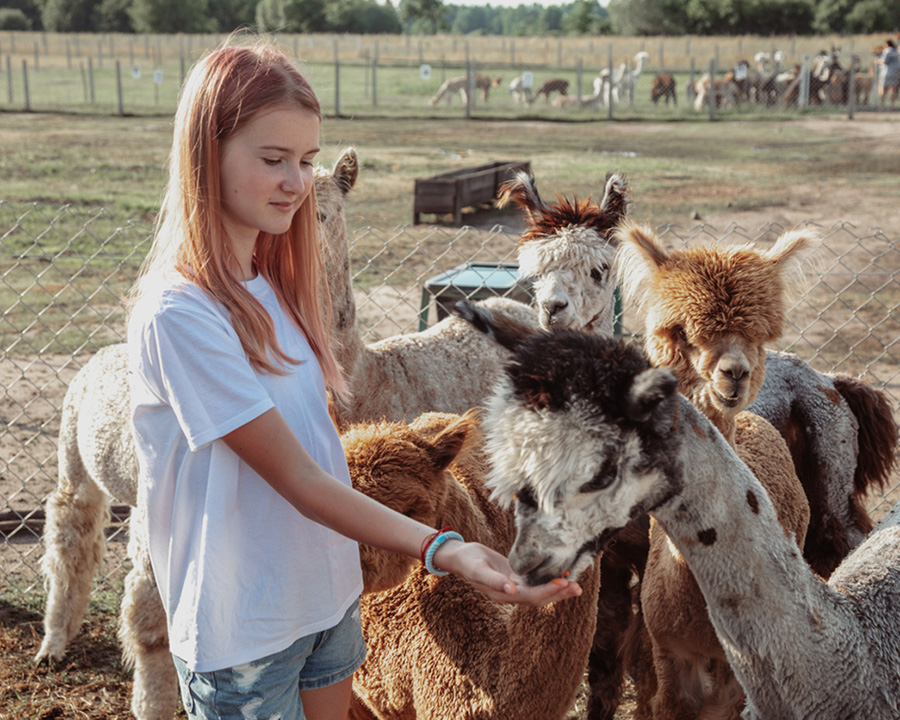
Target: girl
{"points": [[253, 523]]}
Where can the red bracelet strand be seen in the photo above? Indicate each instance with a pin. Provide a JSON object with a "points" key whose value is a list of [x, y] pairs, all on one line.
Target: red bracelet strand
{"points": [[428, 540]]}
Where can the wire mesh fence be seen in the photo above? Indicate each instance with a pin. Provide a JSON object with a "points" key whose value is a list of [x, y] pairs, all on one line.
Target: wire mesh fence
{"points": [[64, 271], [452, 76]]}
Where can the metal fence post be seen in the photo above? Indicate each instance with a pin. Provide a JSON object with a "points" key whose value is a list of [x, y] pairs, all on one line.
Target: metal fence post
{"points": [[25, 85], [375, 76], [121, 104], [90, 80], [711, 95], [851, 89], [470, 88]]}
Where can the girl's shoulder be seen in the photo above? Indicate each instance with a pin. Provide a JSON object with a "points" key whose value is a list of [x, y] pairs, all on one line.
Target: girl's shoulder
{"points": [[172, 296]]}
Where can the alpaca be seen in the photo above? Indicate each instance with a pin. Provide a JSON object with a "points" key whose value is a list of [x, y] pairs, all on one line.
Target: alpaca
{"points": [[583, 435], [446, 368], [708, 314], [840, 431], [723, 90], [438, 648], [627, 83], [580, 233], [460, 85], [520, 89], [549, 87], [663, 87]]}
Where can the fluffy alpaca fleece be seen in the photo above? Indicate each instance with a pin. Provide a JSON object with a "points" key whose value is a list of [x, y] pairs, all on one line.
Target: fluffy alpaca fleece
{"points": [[569, 236], [800, 647], [709, 311], [437, 648]]}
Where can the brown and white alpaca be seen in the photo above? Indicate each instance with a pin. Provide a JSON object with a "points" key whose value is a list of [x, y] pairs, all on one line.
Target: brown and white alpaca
{"points": [[97, 462], [460, 85], [840, 431], [708, 313], [663, 87], [438, 648], [583, 435], [548, 87]]}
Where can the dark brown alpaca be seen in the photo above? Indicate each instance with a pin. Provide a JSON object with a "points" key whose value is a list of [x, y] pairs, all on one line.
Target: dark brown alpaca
{"points": [[663, 87]]}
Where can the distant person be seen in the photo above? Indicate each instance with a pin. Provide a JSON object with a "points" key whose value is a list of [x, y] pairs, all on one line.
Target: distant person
{"points": [[890, 72], [253, 523]]}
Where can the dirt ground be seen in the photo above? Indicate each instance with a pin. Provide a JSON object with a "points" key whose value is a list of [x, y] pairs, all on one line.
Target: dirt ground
{"points": [[92, 683]]}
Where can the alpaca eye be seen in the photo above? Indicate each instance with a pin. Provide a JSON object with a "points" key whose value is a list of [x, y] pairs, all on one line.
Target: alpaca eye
{"points": [[596, 274], [679, 333], [603, 478], [321, 217], [525, 497]]}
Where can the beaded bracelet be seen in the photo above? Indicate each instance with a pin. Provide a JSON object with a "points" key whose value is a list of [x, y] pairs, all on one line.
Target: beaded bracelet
{"points": [[432, 548]]}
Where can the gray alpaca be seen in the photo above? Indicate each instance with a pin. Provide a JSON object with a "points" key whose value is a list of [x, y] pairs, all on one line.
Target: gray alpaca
{"points": [[584, 435]]}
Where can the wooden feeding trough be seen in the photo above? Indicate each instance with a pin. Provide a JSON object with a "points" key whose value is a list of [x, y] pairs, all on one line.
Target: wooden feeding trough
{"points": [[452, 191]]}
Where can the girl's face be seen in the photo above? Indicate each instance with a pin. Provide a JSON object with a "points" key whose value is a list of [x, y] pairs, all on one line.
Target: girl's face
{"points": [[267, 173]]}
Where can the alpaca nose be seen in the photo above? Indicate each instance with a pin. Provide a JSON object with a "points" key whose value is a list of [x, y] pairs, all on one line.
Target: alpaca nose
{"points": [[734, 368], [555, 307]]}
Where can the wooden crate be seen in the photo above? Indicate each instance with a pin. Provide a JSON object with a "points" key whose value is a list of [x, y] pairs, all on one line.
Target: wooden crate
{"points": [[452, 191]]}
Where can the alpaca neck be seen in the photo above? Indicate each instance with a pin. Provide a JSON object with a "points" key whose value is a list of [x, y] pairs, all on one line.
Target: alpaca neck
{"points": [[757, 587]]}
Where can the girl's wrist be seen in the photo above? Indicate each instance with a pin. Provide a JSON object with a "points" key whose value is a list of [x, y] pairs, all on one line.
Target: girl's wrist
{"points": [[433, 544]]}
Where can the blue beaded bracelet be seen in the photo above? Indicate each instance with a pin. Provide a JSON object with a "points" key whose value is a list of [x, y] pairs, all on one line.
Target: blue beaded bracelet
{"points": [[433, 546]]}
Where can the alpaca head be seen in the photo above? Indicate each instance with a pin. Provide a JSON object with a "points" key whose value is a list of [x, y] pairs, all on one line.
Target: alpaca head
{"points": [[579, 436], [405, 466], [709, 311], [568, 250]]}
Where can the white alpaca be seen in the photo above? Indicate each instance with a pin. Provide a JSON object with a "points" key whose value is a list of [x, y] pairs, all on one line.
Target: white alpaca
{"points": [[598, 436], [840, 431], [97, 461], [520, 88]]}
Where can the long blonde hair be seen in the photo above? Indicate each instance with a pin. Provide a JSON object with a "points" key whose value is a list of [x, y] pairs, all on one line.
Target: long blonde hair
{"points": [[223, 92]]}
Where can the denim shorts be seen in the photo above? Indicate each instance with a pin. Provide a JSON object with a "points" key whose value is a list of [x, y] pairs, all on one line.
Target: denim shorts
{"points": [[270, 687]]}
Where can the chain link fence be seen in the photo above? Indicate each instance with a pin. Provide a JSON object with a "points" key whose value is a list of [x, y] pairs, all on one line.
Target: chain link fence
{"points": [[64, 270], [500, 77]]}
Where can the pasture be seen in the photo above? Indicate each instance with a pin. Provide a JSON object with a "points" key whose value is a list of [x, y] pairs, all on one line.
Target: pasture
{"points": [[826, 170]]}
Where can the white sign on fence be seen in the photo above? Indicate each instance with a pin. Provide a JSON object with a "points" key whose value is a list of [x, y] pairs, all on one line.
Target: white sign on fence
{"points": [[425, 71]]}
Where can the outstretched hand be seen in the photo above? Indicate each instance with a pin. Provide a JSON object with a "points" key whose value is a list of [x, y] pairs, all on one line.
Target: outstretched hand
{"points": [[490, 572]]}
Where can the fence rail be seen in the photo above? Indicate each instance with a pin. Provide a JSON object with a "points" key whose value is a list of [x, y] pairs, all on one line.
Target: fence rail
{"points": [[391, 75], [63, 271]]}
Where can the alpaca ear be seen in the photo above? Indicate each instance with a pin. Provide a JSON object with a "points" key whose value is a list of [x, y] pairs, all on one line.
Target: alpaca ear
{"points": [[615, 200], [522, 191], [505, 331], [454, 439], [789, 254], [638, 258], [645, 402], [346, 170]]}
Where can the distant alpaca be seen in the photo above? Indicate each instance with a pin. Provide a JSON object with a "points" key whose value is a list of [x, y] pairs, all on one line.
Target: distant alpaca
{"points": [[708, 312], [438, 648], [663, 87], [460, 85], [583, 435], [549, 87], [628, 81], [840, 431], [520, 91]]}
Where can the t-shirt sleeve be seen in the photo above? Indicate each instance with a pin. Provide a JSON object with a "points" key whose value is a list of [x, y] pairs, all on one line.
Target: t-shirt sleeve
{"points": [[192, 359]]}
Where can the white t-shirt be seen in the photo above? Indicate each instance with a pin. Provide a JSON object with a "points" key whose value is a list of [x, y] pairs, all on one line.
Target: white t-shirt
{"points": [[241, 572]]}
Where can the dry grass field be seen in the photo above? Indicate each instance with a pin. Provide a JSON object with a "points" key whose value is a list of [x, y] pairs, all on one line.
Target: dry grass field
{"points": [[827, 171]]}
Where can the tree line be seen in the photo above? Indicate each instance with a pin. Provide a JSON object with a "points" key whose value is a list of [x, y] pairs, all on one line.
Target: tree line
{"points": [[423, 17]]}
